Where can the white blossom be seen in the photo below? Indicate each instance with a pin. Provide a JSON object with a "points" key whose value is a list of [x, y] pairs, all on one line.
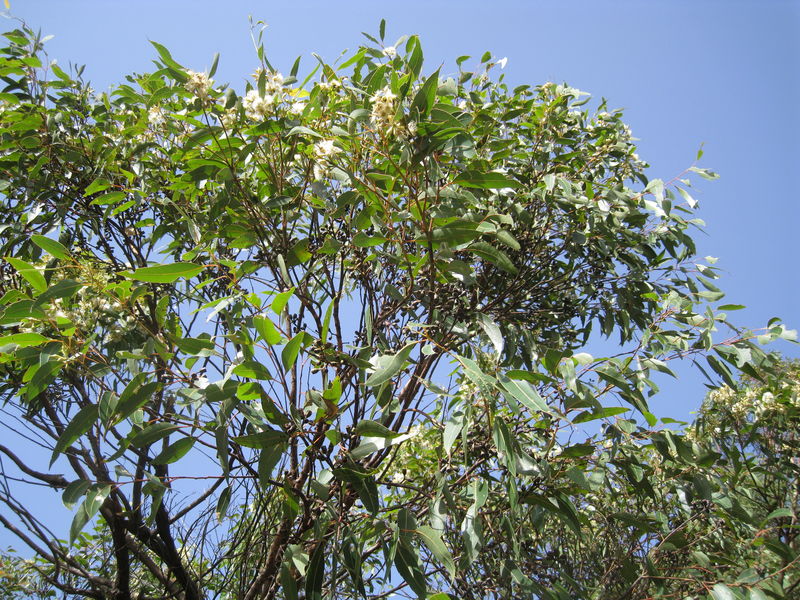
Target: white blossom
{"points": [[198, 84], [256, 106], [383, 108], [155, 116], [390, 51]]}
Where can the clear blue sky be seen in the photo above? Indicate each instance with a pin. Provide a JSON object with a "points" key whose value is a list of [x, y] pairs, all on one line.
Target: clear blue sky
{"points": [[722, 73]]}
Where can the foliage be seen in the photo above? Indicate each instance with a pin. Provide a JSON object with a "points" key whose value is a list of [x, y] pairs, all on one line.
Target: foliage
{"points": [[356, 308]]}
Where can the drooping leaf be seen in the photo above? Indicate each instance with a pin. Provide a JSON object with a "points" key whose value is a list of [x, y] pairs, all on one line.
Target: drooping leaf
{"points": [[169, 273], [53, 247], [390, 365], [79, 425], [174, 451], [487, 181], [433, 540], [261, 441]]}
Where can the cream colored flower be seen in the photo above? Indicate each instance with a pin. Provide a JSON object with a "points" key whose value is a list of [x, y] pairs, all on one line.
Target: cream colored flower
{"points": [[256, 106], [198, 84]]}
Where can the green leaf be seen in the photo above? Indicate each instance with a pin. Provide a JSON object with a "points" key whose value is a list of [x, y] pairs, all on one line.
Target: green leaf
{"points": [[362, 240], [52, 247], [291, 349], [526, 394], [374, 429], [42, 377], [426, 95], [98, 185], [263, 440], [135, 395], [95, 497], [223, 502], [407, 562], [495, 256], [433, 540], [251, 369], [280, 301], [174, 451], [167, 59], [28, 272], [80, 424], [756, 594], [195, 346], [720, 591], [165, 273], [315, 574], [74, 492], [389, 366], [152, 433], [23, 340], [66, 288], [266, 329], [492, 332], [600, 413], [486, 181]]}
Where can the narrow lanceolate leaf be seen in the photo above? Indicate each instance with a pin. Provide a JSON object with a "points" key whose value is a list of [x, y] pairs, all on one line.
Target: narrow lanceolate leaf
{"points": [[95, 496], [262, 440], [315, 573], [407, 562], [486, 181], [494, 255], [492, 332], [80, 424], [174, 451], [52, 247], [66, 288], [23, 340], [720, 591], [389, 366], [291, 349], [525, 393], [374, 429], [151, 434], [433, 540], [28, 272], [165, 273]]}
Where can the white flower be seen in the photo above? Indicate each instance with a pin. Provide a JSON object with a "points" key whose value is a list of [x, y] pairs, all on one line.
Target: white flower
{"points": [[256, 106], [325, 149], [390, 51], [274, 82], [198, 84], [155, 116], [297, 108], [329, 85], [383, 108], [228, 118]]}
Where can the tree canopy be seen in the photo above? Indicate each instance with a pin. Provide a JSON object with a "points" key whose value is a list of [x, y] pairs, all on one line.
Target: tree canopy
{"points": [[325, 337]]}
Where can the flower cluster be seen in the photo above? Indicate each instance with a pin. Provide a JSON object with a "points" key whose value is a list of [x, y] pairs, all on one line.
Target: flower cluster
{"points": [[256, 106], [155, 116], [273, 80], [198, 84], [324, 151], [384, 107]]}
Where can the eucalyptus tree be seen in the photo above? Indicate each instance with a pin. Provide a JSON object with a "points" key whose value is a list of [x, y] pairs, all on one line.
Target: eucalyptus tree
{"points": [[325, 337]]}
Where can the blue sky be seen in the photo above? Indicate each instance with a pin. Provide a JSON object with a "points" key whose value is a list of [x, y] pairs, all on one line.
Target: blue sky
{"points": [[724, 74]]}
